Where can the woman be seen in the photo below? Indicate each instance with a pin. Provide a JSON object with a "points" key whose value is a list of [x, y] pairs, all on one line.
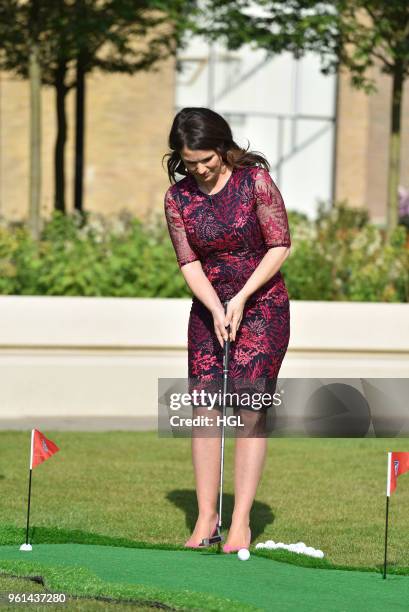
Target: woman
{"points": [[229, 228]]}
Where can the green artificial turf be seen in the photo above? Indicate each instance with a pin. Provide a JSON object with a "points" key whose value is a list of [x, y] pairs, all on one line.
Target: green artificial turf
{"points": [[259, 582]]}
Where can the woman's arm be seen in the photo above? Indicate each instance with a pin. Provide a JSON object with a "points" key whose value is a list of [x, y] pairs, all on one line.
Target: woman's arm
{"points": [[191, 266], [201, 286], [268, 266], [204, 291], [273, 221]]}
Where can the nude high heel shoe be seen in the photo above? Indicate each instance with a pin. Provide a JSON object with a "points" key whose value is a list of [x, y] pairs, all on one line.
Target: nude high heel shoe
{"points": [[229, 549], [214, 532]]}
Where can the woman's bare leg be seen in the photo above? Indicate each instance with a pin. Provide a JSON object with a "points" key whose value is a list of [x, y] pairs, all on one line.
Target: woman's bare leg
{"points": [[250, 454], [206, 464]]}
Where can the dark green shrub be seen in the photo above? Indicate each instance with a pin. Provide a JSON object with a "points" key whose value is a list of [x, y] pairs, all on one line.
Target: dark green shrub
{"points": [[339, 256], [342, 256]]}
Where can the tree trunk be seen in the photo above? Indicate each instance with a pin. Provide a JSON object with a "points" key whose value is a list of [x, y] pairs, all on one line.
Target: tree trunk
{"points": [[59, 156], [394, 149], [35, 142], [79, 134]]}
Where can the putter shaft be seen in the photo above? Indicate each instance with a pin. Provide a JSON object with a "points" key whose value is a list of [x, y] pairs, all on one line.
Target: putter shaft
{"points": [[218, 537]]}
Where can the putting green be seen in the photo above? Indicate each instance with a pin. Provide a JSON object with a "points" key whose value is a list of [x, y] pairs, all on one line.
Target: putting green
{"points": [[259, 582]]}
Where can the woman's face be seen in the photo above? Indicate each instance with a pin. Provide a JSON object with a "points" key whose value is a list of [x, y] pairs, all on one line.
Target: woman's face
{"points": [[205, 165]]}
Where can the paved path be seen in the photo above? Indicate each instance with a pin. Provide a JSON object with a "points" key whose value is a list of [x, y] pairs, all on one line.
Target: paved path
{"points": [[81, 424]]}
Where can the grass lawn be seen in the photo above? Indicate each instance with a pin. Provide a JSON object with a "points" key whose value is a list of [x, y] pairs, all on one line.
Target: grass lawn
{"points": [[328, 493], [134, 486], [23, 585]]}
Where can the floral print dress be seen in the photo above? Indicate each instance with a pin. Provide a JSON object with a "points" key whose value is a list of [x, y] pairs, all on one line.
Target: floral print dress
{"points": [[229, 232]]}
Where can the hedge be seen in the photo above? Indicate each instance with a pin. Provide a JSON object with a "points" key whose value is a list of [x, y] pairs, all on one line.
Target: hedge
{"points": [[340, 255]]}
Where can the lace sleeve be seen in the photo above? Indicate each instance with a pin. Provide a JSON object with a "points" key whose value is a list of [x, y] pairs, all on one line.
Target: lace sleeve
{"points": [[177, 231], [270, 210]]}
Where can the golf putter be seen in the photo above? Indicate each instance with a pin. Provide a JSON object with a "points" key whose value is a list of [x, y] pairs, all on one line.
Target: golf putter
{"points": [[218, 537]]}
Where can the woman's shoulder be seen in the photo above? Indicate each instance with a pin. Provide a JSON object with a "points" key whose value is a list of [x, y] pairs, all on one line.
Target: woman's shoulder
{"points": [[177, 189], [254, 173], [258, 172], [261, 178]]}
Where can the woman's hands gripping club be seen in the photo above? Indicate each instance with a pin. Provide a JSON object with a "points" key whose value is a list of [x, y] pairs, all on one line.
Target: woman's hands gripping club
{"points": [[232, 317]]}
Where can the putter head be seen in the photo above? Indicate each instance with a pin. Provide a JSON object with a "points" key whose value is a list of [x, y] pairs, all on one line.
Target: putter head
{"points": [[214, 539]]}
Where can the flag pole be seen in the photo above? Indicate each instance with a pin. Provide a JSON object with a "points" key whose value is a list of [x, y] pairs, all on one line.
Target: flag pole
{"points": [[388, 494], [27, 546], [386, 536], [28, 509]]}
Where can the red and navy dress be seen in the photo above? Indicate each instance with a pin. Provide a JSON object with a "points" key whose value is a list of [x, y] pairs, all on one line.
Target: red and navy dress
{"points": [[229, 232]]}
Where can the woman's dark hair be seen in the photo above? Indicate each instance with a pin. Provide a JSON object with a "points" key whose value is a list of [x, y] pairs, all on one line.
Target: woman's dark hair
{"points": [[200, 128]]}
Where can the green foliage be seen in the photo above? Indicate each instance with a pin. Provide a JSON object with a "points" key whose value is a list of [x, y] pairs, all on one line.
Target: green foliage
{"points": [[103, 32], [119, 257], [342, 256], [339, 256], [353, 33]]}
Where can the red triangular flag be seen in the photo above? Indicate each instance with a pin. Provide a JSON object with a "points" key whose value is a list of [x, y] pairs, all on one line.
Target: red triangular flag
{"points": [[398, 463], [41, 448]]}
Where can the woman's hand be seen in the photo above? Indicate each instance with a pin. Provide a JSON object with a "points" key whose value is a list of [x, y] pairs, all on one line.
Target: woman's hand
{"points": [[234, 314], [232, 317], [219, 326]]}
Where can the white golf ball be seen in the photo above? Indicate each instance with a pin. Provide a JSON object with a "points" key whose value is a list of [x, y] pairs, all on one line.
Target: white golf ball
{"points": [[243, 554]]}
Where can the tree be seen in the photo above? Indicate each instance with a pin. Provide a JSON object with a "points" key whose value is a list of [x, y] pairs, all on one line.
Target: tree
{"points": [[74, 37], [354, 34], [121, 36], [10, 39]]}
